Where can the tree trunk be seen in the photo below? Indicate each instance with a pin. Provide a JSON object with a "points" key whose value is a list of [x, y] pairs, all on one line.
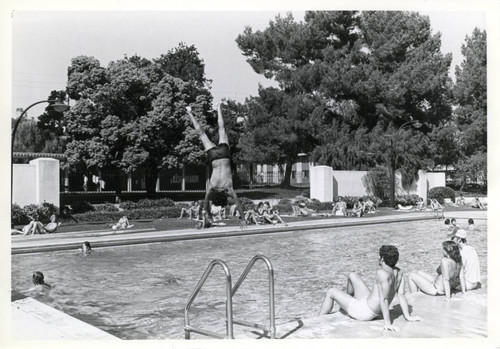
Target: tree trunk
{"points": [[151, 175], [288, 173], [118, 188]]}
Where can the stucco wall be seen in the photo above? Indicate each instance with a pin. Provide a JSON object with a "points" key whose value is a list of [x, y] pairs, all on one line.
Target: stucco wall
{"points": [[350, 183], [37, 182]]}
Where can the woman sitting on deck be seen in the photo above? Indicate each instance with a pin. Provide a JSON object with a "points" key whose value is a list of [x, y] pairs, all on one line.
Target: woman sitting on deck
{"points": [[449, 272], [340, 207], [191, 210]]}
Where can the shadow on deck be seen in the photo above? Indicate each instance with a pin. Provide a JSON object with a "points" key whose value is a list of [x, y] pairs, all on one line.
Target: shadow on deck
{"points": [[463, 317]]}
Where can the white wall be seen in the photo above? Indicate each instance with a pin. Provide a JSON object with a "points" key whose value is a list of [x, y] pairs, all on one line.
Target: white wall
{"points": [[321, 183], [349, 183], [37, 182]]}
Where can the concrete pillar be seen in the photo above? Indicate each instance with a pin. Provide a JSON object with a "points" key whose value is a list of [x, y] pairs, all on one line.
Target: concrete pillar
{"points": [[422, 185], [322, 183], [129, 182], [183, 182], [46, 180]]}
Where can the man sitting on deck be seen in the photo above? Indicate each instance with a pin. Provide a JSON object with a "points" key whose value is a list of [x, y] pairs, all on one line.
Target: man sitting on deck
{"points": [[364, 304]]}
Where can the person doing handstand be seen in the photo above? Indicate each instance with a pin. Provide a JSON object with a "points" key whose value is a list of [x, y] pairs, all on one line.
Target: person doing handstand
{"points": [[364, 304], [221, 181]]}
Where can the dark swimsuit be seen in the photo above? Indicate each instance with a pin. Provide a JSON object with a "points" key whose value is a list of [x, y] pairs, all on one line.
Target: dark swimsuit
{"points": [[220, 151]]}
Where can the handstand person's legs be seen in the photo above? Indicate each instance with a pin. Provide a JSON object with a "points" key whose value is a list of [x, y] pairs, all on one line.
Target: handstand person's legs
{"points": [[222, 129], [207, 143]]}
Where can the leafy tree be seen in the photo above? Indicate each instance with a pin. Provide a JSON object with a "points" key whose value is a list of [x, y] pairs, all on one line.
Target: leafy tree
{"points": [[278, 124], [366, 72], [470, 93], [131, 114]]}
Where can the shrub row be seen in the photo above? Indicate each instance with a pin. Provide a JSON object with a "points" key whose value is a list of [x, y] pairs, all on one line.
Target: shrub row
{"points": [[141, 213], [21, 215]]}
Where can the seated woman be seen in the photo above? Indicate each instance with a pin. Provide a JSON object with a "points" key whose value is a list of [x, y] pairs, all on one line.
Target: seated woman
{"points": [[340, 207], [205, 221], [122, 223], [218, 212], [421, 206], [36, 227], [449, 272], [478, 204], [370, 206], [359, 208], [273, 214], [263, 214], [191, 210], [460, 201]]}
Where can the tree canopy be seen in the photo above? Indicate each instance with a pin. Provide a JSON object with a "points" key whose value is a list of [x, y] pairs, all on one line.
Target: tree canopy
{"points": [[364, 73], [131, 114]]}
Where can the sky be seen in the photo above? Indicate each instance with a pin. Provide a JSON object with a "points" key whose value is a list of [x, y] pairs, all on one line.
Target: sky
{"points": [[44, 42]]}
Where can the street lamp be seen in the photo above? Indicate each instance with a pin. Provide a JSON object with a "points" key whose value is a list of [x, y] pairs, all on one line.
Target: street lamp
{"points": [[415, 124], [58, 105]]}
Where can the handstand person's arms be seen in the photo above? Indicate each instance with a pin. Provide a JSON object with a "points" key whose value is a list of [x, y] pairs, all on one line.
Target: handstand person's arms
{"points": [[206, 204], [404, 303], [383, 288], [243, 221]]}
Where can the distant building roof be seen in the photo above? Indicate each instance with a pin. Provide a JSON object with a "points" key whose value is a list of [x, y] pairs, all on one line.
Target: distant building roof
{"points": [[58, 156]]}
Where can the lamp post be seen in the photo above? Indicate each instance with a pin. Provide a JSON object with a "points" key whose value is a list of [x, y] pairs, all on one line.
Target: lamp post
{"points": [[58, 106], [414, 124]]}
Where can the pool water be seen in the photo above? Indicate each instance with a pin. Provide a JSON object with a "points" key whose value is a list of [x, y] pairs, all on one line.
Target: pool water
{"points": [[139, 292]]}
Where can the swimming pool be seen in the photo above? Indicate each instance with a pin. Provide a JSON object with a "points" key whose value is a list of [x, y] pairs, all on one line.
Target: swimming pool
{"points": [[139, 292]]}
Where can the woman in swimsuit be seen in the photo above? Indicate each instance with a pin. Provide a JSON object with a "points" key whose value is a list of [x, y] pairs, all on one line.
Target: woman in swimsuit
{"points": [[220, 185], [450, 274]]}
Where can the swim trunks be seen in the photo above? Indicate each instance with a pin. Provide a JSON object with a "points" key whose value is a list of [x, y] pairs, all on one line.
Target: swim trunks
{"points": [[220, 151], [358, 309]]}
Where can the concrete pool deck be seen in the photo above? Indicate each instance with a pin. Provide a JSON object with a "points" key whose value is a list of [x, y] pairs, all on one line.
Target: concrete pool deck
{"points": [[70, 241], [464, 317]]}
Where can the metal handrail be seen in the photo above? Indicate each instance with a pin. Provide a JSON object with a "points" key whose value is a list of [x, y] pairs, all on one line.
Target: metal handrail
{"points": [[229, 304], [272, 326]]}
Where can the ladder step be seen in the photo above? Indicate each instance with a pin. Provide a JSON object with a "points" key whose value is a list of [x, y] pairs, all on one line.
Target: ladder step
{"points": [[250, 324], [204, 332]]}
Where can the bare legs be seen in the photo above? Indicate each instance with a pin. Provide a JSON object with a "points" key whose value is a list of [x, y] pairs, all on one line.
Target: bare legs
{"points": [[222, 129], [356, 289], [207, 143], [421, 281]]}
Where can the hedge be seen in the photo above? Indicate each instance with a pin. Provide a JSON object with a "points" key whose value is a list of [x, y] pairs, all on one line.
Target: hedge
{"points": [[441, 193]]}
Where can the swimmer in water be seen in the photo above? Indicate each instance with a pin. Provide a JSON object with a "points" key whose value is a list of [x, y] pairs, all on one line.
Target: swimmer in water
{"points": [[39, 282], [86, 248]]}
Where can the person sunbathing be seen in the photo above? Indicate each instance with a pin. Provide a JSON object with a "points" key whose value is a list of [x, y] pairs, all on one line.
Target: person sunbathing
{"points": [[191, 210], [340, 207], [122, 223], [36, 227], [449, 271], [365, 304], [478, 204], [359, 208]]}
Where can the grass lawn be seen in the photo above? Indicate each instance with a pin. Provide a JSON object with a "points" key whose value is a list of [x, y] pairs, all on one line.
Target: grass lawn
{"points": [[184, 223]]}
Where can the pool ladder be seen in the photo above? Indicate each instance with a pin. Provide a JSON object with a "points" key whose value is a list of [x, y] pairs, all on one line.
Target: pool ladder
{"points": [[230, 292]]}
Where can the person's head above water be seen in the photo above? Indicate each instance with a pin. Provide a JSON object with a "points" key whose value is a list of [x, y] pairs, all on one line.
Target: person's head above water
{"points": [[86, 247], [389, 254], [38, 278]]}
